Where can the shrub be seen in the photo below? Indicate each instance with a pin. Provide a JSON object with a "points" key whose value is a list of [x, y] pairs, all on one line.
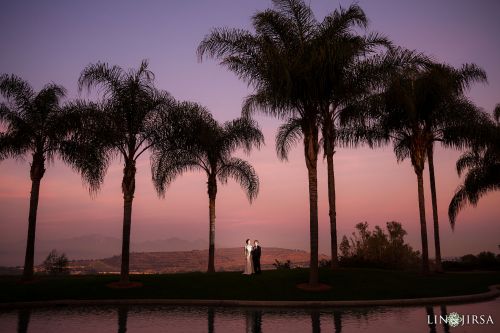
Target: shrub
{"points": [[324, 263], [56, 264], [376, 248], [282, 265], [484, 260]]}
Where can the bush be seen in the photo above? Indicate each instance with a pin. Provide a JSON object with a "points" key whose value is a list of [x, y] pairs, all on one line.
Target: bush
{"points": [[324, 263], [483, 261], [56, 264], [282, 265], [378, 249]]}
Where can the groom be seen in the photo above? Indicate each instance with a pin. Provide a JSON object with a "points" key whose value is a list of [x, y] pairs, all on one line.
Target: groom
{"points": [[256, 257]]}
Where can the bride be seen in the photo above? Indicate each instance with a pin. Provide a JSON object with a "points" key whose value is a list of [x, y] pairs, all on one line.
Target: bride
{"points": [[248, 258]]}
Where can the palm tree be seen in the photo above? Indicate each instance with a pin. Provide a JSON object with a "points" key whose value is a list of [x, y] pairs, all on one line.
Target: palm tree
{"points": [[282, 61], [343, 72], [421, 103], [449, 118], [274, 61], [394, 113], [482, 172], [36, 124], [209, 147], [130, 113]]}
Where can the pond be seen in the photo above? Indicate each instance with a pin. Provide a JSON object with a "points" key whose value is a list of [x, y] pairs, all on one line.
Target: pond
{"points": [[270, 320]]}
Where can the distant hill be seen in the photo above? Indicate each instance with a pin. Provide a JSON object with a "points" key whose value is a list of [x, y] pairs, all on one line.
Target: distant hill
{"points": [[10, 270], [90, 247], [227, 259]]}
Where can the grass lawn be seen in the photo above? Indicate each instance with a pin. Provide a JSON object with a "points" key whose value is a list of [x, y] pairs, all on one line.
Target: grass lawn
{"points": [[347, 284]]}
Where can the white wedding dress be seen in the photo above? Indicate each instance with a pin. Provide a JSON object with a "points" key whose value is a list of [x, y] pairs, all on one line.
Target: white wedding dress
{"points": [[249, 263]]}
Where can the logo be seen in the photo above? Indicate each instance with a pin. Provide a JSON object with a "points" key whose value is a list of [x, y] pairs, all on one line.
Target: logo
{"points": [[455, 319]]}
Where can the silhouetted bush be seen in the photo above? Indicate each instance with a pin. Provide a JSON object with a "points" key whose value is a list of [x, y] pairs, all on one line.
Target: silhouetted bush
{"points": [[324, 263], [483, 261], [282, 265], [377, 249], [56, 264]]}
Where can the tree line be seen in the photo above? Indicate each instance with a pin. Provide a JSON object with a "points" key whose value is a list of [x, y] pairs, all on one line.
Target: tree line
{"points": [[333, 83]]}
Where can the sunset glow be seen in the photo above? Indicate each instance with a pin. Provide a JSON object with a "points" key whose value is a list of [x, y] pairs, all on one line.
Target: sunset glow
{"points": [[370, 185]]}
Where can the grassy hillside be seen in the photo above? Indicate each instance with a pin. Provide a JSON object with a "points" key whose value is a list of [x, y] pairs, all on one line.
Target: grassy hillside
{"points": [[226, 259]]}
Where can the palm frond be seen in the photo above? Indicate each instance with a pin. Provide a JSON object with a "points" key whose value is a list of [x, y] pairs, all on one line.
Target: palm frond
{"points": [[108, 78], [16, 89], [166, 166], [288, 135], [266, 103], [13, 145], [458, 202], [468, 160], [342, 20], [225, 42], [243, 173], [403, 148], [469, 74], [483, 176], [300, 13], [242, 132]]}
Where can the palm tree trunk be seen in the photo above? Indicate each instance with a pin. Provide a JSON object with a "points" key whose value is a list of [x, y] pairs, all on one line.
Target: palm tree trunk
{"points": [[36, 173], [313, 224], [128, 189], [332, 209], [423, 225], [437, 244], [212, 193], [311, 152]]}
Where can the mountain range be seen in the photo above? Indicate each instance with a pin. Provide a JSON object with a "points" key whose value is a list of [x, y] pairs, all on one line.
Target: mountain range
{"points": [[91, 247]]}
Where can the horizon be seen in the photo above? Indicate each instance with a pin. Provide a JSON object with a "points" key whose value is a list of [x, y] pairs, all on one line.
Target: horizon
{"points": [[371, 185], [9, 258]]}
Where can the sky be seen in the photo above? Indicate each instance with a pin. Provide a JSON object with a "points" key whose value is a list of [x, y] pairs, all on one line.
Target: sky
{"points": [[52, 41]]}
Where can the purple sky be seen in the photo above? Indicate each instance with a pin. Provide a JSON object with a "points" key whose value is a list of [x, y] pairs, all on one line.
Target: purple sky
{"points": [[53, 41]]}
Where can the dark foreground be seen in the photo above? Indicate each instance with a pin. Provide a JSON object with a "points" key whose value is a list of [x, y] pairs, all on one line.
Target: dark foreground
{"points": [[347, 284]]}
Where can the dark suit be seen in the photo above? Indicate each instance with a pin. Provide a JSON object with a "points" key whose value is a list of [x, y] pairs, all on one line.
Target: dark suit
{"points": [[256, 259]]}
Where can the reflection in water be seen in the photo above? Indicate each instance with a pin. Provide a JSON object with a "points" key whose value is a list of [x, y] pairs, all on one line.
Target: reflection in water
{"points": [[23, 320], [122, 318], [444, 313], [210, 318], [337, 321], [316, 322], [96, 319], [254, 321], [431, 323]]}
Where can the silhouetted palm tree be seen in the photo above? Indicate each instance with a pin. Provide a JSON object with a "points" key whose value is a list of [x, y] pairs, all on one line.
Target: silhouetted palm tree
{"points": [[398, 117], [449, 118], [36, 124], [421, 103], [482, 167], [274, 60], [342, 71], [129, 114], [282, 61], [209, 147]]}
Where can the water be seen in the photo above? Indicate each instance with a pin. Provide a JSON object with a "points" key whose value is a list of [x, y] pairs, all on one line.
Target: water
{"points": [[223, 319]]}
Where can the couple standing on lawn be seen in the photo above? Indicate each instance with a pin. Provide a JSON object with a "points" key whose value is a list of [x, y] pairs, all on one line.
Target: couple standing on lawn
{"points": [[252, 257]]}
